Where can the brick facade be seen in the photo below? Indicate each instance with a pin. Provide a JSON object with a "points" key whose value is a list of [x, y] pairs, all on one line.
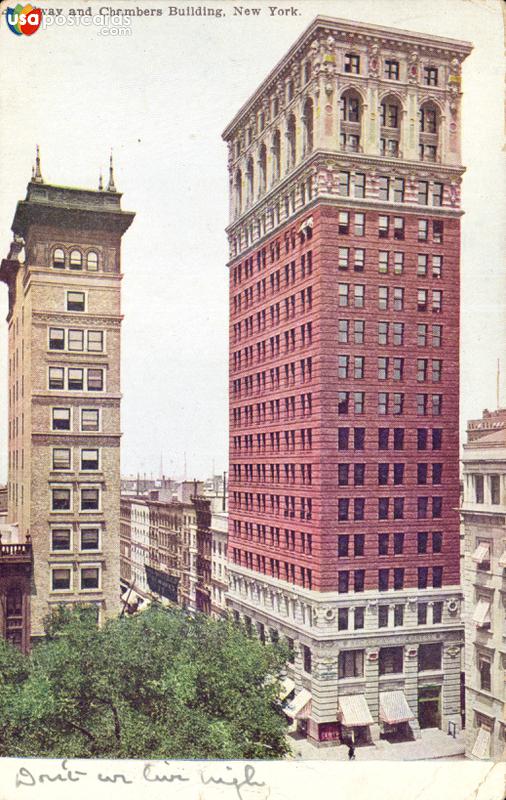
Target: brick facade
{"points": [[344, 330]]}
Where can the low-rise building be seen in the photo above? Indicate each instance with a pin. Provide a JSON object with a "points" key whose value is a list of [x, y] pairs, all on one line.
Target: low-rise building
{"points": [[219, 574], [484, 584], [16, 569]]}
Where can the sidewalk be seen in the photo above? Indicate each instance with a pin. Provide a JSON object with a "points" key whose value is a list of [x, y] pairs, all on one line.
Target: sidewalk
{"points": [[434, 743]]}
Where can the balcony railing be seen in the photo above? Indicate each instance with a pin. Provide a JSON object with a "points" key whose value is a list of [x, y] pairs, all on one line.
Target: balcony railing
{"points": [[16, 552]]}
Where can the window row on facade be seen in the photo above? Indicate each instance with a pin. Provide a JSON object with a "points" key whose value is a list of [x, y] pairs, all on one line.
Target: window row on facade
{"points": [[355, 223], [64, 499], [83, 420], [63, 580], [348, 581], [256, 175], [76, 379], [76, 340], [347, 439], [75, 259], [84, 460], [356, 474], [66, 539], [348, 509]]}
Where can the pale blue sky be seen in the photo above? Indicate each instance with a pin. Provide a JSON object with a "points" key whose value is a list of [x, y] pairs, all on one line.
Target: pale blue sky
{"points": [[161, 97]]}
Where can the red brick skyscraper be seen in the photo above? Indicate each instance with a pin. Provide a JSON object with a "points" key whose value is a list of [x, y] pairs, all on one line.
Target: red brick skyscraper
{"points": [[345, 176]]}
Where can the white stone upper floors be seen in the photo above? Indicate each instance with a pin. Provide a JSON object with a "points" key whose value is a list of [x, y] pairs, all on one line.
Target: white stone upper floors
{"points": [[352, 89]]}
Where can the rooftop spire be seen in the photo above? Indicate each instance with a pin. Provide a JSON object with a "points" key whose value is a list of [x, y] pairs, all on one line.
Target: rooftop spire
{"points": [[37, 176], [100, 183], [110, 186]]}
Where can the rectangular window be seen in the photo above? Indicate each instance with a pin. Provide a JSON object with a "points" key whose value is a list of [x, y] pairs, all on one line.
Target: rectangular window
{"points": [[359, 296], [60, 579], [398, 438], [90, 419], [61, 419], [383, 544], [383, 227], [358, 508], [342, 366], [343, 509], [495, 490], [60, 499], [398, 543], [358, 367], [398, 616], [76, 340], [90, 499], [344, 254], [60, 539], [56, 378], [343, 545], [343, 401], [95, 341], [95, 380], [342, 619], [391, 660], [383, 434], [437, 194], [383, 261], [422, 613], [352, 64], [437, 231], [437, 301], [398, 298], [343, 290], [422, 541], [430, 76], [484, 668], [358, 618], [398, 263], [382, 616], [398, 337], [75, 379], [343, 436], [358, 544], [90, 538], [422, 335], [422, 507], [383, 470], [399, 228], [422, 264], [351, 662], [423, 576], [359, 191], [430, 656], [437, 266], [398, 189], [358, 402], [75, 301], [56, 339], [358, 438], [398, 579], [358, 331], [61, 458], [437, 577], [422, 299], [383, 187], [344, 222], [90, 578], [437, 613], [382, 332], [89, 459], [343, 328], [359, 262], [437, 438], [423, 193], [383, 580], [344, 184], [359, 224], [391, 70], [383, 298], [382, 402], [343, 580]]}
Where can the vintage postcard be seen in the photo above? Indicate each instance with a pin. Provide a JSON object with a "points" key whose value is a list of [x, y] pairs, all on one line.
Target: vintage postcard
{"points": [[252, 399]]}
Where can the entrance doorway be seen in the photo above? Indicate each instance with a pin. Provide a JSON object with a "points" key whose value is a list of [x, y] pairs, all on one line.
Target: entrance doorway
{"points": [[429, 706]]}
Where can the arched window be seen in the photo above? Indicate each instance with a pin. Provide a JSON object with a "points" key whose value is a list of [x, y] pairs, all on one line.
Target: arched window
{"points": [[276, 155], [307, 71], [429, 132], [308, 120], [390, 136], [238, 192], [291, 135], [58, 258], [250, 177], [275, 106], [351, 121], [76, 259], [92, 262], [262, 161]]}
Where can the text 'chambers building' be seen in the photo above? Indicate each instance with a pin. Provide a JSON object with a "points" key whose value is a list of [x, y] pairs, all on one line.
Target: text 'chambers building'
{"points": [[345, 174]]}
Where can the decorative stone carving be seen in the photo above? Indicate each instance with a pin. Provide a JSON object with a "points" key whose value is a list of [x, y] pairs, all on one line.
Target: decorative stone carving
{"points": [[453, 651], [413, 67], [374, 61]]}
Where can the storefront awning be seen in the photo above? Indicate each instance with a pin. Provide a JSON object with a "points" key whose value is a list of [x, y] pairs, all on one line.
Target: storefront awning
{"points": [[394, 708], [300, 707], [354, 710], [287, 686], [308, 223], [481, 747], [481, 614], [481, 554]]}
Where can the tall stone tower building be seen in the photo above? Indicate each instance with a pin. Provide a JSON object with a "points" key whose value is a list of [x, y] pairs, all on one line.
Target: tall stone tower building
{"points": [[345, 173], [64, 392]]}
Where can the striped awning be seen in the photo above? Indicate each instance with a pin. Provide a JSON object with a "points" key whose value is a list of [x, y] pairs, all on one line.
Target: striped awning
{"points": [[481, 554], [287, 686], [481, 747], [394, 708], [481, 614], [354, 710], [300, 707]]}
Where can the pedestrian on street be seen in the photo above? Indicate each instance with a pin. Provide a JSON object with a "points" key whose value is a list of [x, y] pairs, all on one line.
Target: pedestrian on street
{"points": [[351, 752]]}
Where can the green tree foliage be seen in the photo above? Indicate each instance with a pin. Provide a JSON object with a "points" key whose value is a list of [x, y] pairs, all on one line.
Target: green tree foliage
{"points": [[160, 684]]}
